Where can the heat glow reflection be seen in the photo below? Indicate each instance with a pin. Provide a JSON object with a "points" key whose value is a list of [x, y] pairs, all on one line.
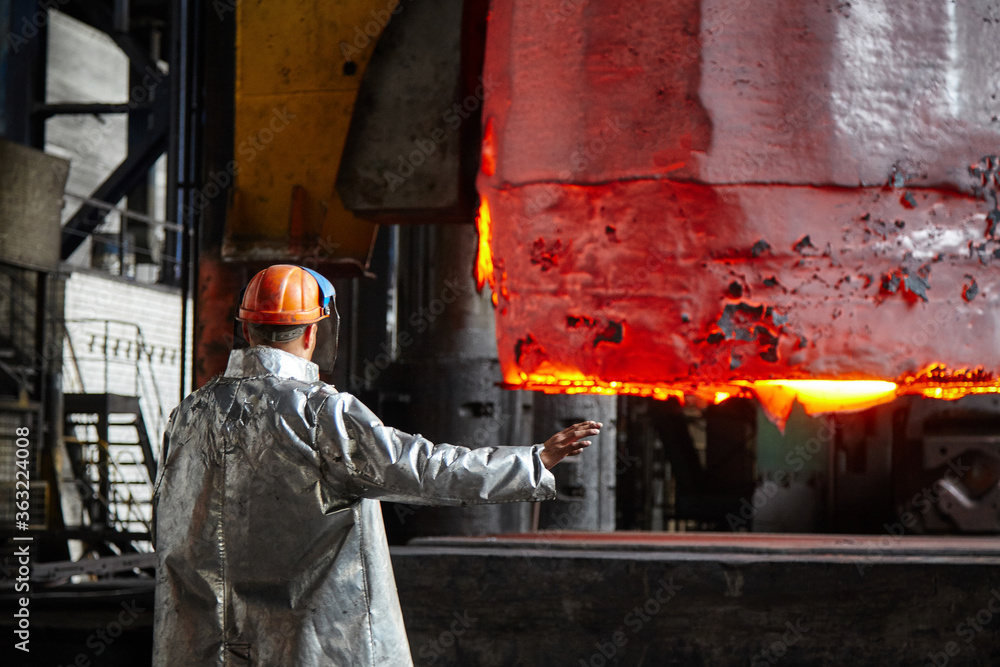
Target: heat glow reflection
{"points": [[488, 165], [484, 255]]}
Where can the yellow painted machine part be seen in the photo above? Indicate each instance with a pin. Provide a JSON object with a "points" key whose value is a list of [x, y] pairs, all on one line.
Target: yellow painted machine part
{"points": [[294, 102]]}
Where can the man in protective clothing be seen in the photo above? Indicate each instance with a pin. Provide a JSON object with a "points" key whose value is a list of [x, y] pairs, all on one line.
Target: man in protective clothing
{"points": [[268, 530]]}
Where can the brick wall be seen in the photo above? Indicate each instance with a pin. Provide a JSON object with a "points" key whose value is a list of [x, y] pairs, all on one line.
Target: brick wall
{"points": [[141, 327]]}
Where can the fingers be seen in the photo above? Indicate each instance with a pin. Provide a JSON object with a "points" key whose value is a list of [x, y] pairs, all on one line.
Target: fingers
{"points": [[582, 430], [571, 441]]}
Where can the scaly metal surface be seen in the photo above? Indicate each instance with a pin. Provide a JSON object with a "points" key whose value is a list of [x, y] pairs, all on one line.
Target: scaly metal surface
{"points": [[702, 192]]}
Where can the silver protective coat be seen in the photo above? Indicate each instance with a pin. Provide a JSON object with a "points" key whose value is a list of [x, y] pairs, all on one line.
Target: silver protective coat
{"points": [[269, 537]]}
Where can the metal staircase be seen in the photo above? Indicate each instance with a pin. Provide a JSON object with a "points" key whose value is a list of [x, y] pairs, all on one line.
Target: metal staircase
{"points": [[112, 458]]}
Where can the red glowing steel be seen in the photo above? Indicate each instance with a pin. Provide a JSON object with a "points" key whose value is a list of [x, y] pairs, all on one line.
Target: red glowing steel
{"points": [[713, 199], [489, 160]]}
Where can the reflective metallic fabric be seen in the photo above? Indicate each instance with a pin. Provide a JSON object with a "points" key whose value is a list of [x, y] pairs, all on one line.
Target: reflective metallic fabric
{"points": [[269, 537]]}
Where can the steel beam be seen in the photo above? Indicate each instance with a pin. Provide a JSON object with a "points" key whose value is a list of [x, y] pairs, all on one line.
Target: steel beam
{"points": [[24, 72], [129, 173]]}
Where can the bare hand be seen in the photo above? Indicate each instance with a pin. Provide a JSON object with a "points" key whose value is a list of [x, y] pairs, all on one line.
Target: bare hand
{"points": [[567, 442]]}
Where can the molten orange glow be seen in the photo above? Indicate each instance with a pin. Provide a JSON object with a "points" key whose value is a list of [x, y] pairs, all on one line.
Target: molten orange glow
{"points": [[553, 379], [484, 256], [776, 396], [937, 381], [821, 396], [955, 392]]}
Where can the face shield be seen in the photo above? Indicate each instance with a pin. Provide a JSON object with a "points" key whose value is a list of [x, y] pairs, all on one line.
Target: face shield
{"points": [[328, 328]]}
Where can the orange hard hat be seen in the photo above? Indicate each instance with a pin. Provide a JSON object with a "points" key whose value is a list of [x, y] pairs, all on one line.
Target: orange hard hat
{"points": [[286, 294]]}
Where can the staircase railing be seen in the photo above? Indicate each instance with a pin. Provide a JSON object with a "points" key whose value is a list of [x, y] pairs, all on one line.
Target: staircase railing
{"points": [[122, 508], [116, 344]]}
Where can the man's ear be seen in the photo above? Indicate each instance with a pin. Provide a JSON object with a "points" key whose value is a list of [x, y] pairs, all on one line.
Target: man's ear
{"points": [[309, 337], [246, 334]]}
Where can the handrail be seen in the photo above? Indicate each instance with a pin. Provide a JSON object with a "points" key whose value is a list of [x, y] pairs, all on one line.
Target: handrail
{"points": [[130, 502], [132, 215], [143, 355], [126, 244], [72, 356], [131, 505]]}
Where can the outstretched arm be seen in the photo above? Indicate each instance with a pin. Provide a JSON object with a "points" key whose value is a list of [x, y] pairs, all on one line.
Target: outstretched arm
{"points": [[388, 464]]}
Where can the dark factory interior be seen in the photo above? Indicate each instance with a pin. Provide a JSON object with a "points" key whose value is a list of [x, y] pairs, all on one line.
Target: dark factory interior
{"points": [[759, 241]]}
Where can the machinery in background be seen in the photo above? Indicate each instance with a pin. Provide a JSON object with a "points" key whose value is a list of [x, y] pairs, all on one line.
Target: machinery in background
{"points": [[370, 179], [911, 467]]}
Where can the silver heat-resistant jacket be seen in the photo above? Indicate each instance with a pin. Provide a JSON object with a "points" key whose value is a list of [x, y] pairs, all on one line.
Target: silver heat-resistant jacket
{"points": [[268, 531]]}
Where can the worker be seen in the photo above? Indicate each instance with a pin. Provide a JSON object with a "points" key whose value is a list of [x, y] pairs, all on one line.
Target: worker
{"points": [[268, 529]]}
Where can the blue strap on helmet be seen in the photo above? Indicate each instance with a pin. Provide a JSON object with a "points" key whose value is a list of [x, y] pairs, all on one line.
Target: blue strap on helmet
{"points": [[326, 289]]}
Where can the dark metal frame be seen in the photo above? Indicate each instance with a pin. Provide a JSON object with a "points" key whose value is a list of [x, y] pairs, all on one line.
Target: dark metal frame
{"points": [[165, 120], [155, 118], [163, 109], [144, 150]]}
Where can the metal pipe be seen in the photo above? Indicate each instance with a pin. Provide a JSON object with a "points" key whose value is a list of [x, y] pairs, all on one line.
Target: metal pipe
{"points": [[121, 16], [174, 170], [392, 296], [122, 229]]}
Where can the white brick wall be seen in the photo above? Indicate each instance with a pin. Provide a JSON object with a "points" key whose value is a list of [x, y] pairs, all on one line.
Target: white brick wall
{"points": [[118, 308]]}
